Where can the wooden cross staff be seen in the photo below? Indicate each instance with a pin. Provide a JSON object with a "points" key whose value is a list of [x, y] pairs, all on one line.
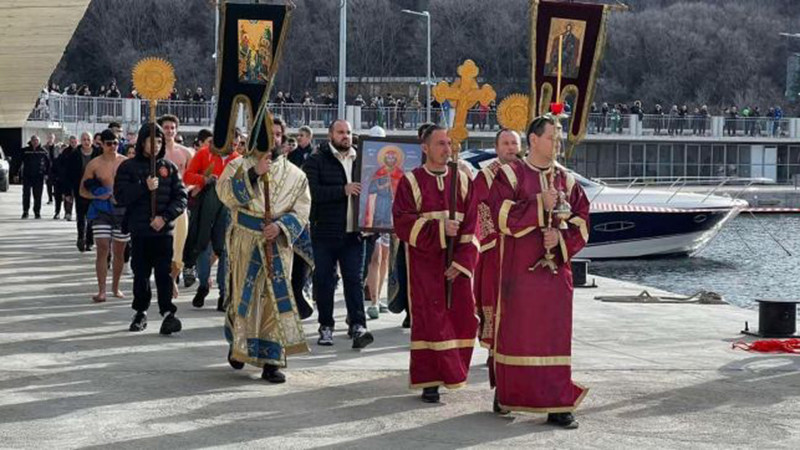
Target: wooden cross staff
{"points": [[462, 94]]}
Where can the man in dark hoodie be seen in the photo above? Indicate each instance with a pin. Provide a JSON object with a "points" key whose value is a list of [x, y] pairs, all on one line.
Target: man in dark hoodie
{"points": [[151, 234]]}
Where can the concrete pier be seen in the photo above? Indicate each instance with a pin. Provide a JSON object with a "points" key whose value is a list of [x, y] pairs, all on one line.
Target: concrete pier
{"points": [[72, 376]]}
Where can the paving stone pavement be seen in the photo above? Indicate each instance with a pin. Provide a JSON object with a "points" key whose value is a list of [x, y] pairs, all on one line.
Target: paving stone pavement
{"points": [[72, 376]]}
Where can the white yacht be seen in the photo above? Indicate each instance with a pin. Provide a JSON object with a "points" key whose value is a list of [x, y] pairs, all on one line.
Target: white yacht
{"points": [[636, 221]]}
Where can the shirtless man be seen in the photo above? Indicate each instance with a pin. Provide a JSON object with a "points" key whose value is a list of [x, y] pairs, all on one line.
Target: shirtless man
{"points": [[97, 185], [180, 156]]}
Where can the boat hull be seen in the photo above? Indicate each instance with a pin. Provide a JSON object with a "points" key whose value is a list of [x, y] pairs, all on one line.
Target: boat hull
{"points": [[639, 234]]}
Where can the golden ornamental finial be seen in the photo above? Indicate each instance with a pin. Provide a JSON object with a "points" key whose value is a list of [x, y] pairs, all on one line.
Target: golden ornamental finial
{"points": [[512, 112], [153, 78]]}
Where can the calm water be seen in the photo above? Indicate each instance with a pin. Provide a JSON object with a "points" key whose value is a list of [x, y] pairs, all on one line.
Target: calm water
{"points": [[742, 264]]}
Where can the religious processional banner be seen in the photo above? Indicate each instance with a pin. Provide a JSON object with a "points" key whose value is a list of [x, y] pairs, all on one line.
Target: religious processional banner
{"points": [[583, 28], [251, 40]]}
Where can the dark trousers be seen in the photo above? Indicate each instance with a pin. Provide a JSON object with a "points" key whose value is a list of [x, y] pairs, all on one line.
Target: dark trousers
{"points": [[49, 190], [299, 278], [35, 186], [369, 249], [149, 254], [349, 254], [60, 197], [84, 230]]}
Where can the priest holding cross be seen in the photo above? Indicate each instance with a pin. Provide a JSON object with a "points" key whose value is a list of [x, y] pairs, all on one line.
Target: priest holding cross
{"points": [[435, 215]]}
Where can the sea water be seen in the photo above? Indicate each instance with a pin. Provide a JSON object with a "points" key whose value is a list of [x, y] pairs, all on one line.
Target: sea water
{"points": [[743, 263]]}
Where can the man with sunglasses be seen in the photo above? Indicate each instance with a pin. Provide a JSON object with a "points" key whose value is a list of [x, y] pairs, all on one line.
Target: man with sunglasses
{"points": [[97, 186]]}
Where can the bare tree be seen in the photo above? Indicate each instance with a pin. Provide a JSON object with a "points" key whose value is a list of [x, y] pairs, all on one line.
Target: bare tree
{"points": [[714, 52]]}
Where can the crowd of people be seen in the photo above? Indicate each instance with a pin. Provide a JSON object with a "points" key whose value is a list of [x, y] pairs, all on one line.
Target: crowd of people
{"points": [[79, 102], [390, 111], [276, 241], [679, 120], [112, 91], [398, 112]]}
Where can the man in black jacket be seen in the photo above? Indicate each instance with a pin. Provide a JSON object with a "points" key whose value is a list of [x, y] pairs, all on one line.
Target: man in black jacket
{"points": [[50, 148], [151, 234], [299, 155], [73, 169], [335, 238], [62, 191], [35, 166], [300, 269]]}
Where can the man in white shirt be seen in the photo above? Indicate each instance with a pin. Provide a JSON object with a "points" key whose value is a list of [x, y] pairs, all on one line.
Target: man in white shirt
{"points": [[334, 235]]}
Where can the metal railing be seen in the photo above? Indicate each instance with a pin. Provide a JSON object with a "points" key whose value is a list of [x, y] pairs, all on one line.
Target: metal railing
{"points": [[70, 108], [676, 184], [629, 182], [755, 126], [66, 108], [690, 125], [610, 124]]}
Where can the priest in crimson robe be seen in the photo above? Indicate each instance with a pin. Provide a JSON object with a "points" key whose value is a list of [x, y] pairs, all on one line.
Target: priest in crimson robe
{"points": [[533, 322], [507, 146], [442, 338]]}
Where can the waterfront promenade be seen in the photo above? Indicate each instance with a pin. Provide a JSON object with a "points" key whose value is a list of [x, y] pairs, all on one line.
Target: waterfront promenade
{"points": [[71, 375]]}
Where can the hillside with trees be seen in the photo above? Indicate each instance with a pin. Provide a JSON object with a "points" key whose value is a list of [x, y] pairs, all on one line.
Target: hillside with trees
{"points": [[715, 52]]}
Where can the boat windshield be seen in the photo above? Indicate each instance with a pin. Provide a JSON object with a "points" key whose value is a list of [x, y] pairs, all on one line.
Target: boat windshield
{"points": [[481, 158]]}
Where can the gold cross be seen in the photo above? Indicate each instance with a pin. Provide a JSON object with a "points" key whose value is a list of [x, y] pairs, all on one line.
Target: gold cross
{"points": [[463, 94]]}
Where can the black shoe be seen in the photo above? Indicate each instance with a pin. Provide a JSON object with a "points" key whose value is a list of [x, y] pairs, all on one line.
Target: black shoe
{"points": [[237, 365], [361, 337], [430, 394], [24, 216], [563, 420], [81, 246], [407, 321], [139, 322], [200, 297], [88, 246], [221, 304], [325, 336], [56, 216], [37, 216], [496, 407], [189, 277], [170, 325], [273, 374]]}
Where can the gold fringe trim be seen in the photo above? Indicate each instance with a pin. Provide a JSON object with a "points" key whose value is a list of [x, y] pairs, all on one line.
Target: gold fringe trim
{"points": [[533, 361], [442, 345]]}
